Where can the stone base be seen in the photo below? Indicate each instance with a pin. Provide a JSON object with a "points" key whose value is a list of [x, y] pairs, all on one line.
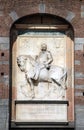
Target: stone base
{"points": [[40, 114]]}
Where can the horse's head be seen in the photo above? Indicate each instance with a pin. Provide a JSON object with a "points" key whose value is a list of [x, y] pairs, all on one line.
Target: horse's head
{"points": [[25, 62], [21, 61]]}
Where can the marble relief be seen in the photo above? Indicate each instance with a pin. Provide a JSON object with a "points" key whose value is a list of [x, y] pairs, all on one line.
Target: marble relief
{"points": [[41, 67]]}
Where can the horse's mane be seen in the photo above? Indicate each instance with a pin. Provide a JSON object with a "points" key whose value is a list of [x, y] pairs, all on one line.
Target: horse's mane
{"points": [[26, 56], [31, 59]]}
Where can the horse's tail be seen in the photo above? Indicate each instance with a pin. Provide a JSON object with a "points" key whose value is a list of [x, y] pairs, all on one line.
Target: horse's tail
{"points": [[64, 74], [64, 79]]}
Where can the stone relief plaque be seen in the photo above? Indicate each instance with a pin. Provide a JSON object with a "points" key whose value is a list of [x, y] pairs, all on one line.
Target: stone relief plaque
{"points": [[40, 73], [40, 67]]}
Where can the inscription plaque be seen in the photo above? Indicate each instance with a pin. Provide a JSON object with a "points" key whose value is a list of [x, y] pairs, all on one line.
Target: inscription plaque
{"points": [[41, 112]]}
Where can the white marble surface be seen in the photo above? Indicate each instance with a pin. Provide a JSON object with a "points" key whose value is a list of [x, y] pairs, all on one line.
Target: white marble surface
{"points": [[41, 112], [29, 44]]}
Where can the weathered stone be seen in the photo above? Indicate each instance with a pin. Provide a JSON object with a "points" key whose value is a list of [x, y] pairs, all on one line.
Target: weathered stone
{"points": [[82, 14], [79, 47], [1, 13], [42, 8], [14, 15], [79, 75], [80, 128], [6, 80], [4, 114], [82, 11], [4, 102], [77, 62], [78, 94], [79, 40], [4, 46], [70, 15], [79, 116], [4, 62], [82, 7], [4, 40], [79, 86]]}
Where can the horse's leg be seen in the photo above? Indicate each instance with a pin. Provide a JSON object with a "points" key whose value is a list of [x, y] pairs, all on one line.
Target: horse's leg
{"points": [[32, 87]]}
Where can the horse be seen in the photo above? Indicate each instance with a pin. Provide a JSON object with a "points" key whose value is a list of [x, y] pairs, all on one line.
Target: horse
{"points": [[55, 74]]}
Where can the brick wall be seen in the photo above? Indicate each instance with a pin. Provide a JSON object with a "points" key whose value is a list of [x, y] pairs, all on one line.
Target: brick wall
{"points": [[72, 11]]}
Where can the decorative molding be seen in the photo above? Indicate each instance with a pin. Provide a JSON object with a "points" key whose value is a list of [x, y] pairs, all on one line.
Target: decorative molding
{"points": [[54, 27]]}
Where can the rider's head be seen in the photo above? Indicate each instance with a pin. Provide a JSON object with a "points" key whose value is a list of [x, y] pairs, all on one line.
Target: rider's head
{"points": [[43, 47]]}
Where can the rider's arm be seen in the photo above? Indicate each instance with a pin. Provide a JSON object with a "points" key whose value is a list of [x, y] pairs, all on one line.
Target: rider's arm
{"points": [[50, 59]]}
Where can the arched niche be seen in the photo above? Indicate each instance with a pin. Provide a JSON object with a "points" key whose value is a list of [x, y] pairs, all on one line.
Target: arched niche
{"points": [[26, 36]]}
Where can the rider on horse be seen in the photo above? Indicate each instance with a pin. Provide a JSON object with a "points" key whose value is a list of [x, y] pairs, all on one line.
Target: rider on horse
{"points": [[43, 60]]}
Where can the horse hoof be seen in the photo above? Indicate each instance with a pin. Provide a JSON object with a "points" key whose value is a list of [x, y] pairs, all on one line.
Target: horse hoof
{"points": [[33, 96]]}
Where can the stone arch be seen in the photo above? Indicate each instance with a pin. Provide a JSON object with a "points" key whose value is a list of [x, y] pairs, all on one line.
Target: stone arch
{"points": [[45, 18], [65, 14], [68, 17]]}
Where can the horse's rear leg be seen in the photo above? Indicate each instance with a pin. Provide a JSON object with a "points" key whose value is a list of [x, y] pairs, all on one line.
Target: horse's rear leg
{"points": [[32, 88]]}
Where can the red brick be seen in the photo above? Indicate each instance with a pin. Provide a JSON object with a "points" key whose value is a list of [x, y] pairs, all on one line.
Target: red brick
{"points": [[79, 68], [4, 55], [79, 55], [79, 90], [4, 69], [79, 100], [79, 81], [4, 91]]}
